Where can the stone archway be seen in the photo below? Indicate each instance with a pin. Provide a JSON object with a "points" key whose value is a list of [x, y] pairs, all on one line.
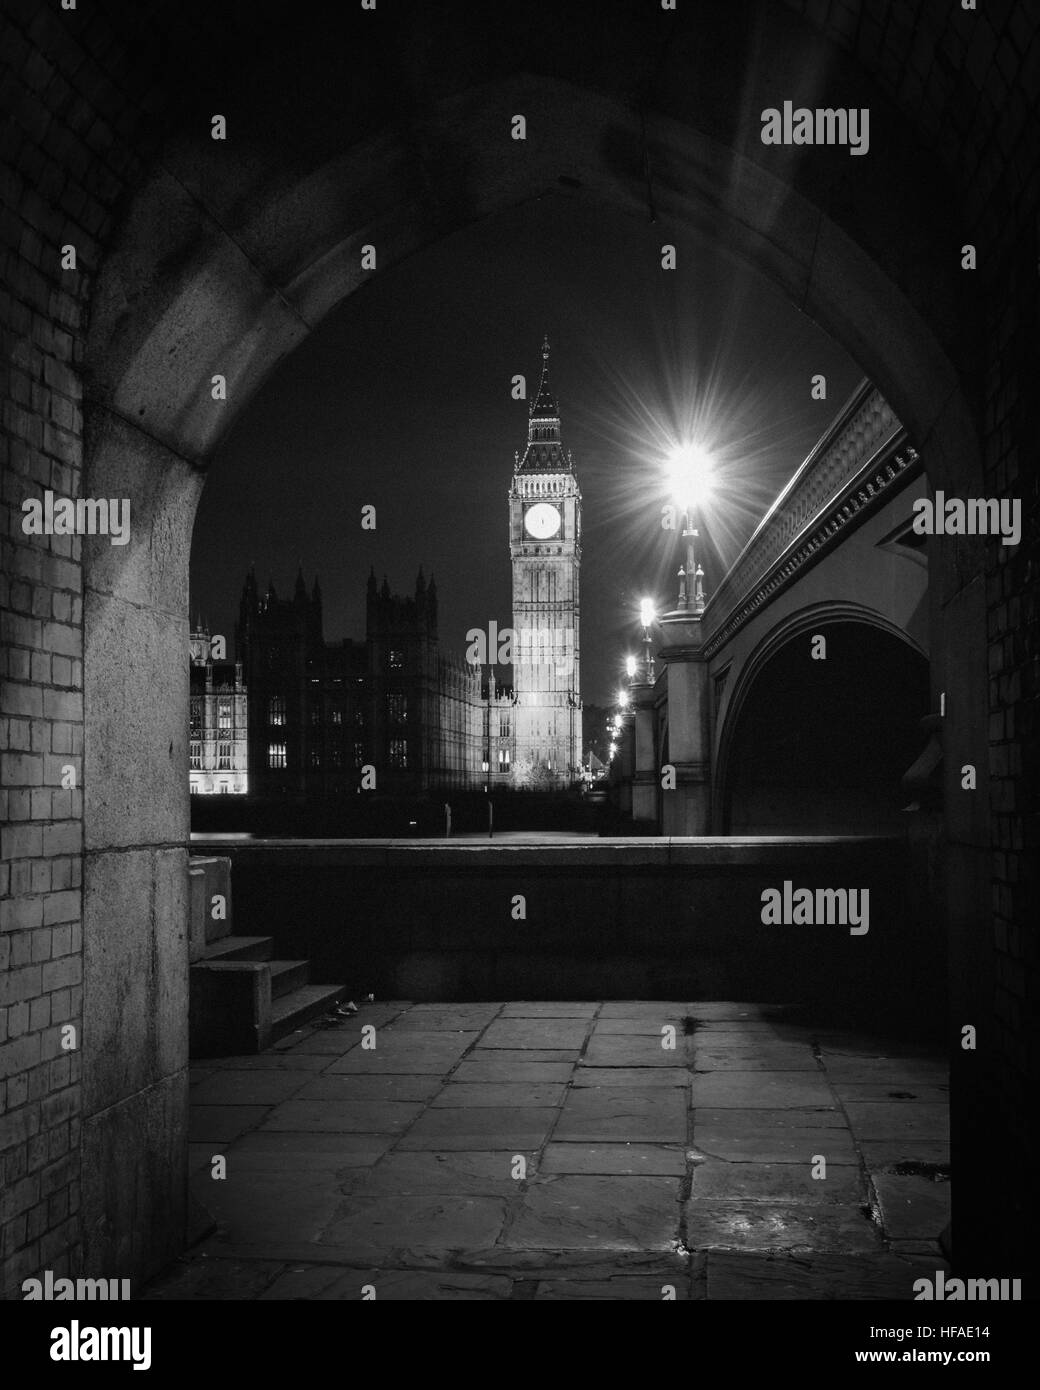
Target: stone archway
{"points": [[199, 285], [785, 708]]}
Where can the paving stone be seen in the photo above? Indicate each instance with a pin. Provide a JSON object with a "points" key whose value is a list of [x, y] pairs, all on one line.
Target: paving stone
{"points": [[249, 1087], [644, 1008], [810, 1275], [767, 1090], [658, 1160], [325, 1283], [321, 1042], [757, 1028], [270, 1207], [371, 1224], [455, 1173], [665, 1265], [383, 1086], [713, 1010], [883, 1071], [299, 1152], [876, 1123], [778, 1226], [762, 1057], [488, 1127], [598, 1213], [913, 1208], [626, 1050], [599, 1114], [860, 1092], [513, 1067], [773, 1136], [649, 1026], [274, 1061], [778, 1182], [622, 1289], [463, 1018], [882, 1155], [212, 1280], [549, 1010], [635, 1077], [535, 1032], [500, 1093], [346, 1116], [407, 1054], [222, 1122]]}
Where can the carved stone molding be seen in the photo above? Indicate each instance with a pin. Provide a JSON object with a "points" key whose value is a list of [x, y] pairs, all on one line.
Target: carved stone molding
{"points": [[850, 472]]}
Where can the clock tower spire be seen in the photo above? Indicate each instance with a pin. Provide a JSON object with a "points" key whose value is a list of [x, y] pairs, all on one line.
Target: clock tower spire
{"points": [[545, 548]]}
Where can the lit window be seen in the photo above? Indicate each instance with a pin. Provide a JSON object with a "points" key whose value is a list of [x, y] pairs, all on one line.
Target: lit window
{"points": [[359, 754], [397, 708], [337, 716], [224, 757], [224, 714], [196, 718], [395, 659], [335, 756], [398, 752], [276, 755], [196, 756], [315, 757], [276, 709]]}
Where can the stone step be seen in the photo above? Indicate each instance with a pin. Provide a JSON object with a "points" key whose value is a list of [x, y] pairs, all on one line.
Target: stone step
{"points": [[301, 1006], [240, 948], [288, 975]]}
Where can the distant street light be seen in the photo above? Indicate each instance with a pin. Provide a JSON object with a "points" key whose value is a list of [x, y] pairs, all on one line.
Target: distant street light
{"points": [[690, 477], [631, 666], [622, 698]]}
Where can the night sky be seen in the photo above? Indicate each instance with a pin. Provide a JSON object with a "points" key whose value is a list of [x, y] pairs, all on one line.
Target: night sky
{"points": [[401, 398]]}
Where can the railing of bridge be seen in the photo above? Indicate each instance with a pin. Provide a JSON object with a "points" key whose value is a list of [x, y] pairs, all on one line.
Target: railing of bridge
{"points": [[849, 472]]}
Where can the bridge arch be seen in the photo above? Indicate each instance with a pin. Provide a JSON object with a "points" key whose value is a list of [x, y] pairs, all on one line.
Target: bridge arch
{"points": [[778, 686]]}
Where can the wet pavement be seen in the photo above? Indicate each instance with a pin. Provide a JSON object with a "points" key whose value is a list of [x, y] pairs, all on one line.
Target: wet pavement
{"points": [[568, 1151]]}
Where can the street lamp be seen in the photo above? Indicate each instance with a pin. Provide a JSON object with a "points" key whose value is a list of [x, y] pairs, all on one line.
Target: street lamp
{"points": [[647, 617], [622, 698], [631, 666], [689, 474]]}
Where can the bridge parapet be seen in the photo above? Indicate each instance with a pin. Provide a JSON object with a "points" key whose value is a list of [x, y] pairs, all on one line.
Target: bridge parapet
{"points": [[851, 471]]}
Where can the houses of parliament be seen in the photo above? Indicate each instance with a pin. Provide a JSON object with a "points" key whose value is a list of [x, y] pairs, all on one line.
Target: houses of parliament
{"points": [[296, 716]]}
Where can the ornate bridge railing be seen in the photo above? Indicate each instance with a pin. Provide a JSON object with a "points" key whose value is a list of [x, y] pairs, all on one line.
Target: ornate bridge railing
{"points": [[850, 472]]}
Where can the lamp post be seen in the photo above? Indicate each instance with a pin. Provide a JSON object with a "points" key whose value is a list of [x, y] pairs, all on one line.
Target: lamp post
{"points": [[646, 617], [685, 807], [689, 469]]}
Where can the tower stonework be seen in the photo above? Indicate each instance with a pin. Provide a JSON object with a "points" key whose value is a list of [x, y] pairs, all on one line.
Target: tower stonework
{"points": [[545, 548]]}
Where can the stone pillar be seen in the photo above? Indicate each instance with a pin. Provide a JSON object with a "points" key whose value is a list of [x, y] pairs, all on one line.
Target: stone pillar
{"points": [[686, 810], [644, 774], [626, 772]]}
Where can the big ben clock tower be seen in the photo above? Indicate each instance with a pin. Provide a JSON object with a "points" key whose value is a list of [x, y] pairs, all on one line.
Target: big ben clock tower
{"points": [[545, 547]]}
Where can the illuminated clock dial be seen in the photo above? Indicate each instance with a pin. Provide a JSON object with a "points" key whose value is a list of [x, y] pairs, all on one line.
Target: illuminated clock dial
{"points": [[542, 520]]}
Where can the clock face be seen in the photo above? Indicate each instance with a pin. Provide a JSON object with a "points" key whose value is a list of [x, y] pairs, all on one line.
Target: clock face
{"points": [[542, 520]]}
